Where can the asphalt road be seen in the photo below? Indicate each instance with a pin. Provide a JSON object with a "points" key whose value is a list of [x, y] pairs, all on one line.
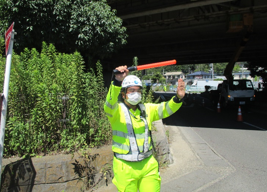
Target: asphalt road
{"points": [[242, 144]]}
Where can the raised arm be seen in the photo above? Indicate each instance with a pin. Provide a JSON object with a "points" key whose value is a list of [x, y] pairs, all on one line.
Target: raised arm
{"points": [[111, 104]]}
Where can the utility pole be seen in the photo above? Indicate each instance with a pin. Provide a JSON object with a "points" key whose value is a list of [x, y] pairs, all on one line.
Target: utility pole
{"points": [[212, 72], [212, 75], [242, 71]]}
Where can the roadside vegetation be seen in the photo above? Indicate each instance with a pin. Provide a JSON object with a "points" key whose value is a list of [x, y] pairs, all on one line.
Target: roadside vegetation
{"points": [[56, 92], [54, 105]]}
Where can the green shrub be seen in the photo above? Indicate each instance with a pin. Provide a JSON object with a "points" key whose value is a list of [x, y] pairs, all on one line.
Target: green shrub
{"points": [[53, 105]]}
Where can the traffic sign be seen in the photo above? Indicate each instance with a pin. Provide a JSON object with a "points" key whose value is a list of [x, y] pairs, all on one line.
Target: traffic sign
{"points": [[8, 36]]}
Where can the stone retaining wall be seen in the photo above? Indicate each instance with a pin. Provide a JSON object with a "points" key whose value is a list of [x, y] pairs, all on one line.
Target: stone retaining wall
{"points": [[70, 173]]}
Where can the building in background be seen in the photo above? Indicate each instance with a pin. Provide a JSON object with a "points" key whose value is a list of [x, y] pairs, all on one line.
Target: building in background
{"points": [[243, 75], [173, 76], [199, 75]]}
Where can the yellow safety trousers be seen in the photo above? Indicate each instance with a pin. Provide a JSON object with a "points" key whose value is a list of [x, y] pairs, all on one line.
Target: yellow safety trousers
{"points": [[139, 175]]}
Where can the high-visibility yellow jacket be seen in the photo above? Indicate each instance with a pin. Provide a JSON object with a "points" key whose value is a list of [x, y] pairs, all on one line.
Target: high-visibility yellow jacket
{"points": [[115, 114]]}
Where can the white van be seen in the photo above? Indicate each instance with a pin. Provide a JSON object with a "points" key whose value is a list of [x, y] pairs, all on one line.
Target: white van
{"points": [[241, 92]]}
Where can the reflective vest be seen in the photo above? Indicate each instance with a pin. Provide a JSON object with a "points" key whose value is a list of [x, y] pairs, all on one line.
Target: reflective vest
{"points": [[131, 139]]}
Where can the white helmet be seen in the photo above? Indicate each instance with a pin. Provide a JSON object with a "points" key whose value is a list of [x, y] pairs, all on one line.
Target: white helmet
{"points": [[131, 80]]}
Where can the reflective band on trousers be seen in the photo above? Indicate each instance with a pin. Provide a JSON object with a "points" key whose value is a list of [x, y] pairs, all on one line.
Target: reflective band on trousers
{"points": [[134, 155]]}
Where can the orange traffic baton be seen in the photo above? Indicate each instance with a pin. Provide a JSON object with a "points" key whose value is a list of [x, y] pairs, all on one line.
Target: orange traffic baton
{"points": [[148, 66]]}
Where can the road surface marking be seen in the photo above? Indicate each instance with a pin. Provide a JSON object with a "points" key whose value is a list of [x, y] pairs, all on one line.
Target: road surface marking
{"points": [[255, 126]]}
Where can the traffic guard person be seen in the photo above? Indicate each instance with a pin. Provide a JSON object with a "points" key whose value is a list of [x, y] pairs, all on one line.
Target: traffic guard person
{"points": [[134, 166]]}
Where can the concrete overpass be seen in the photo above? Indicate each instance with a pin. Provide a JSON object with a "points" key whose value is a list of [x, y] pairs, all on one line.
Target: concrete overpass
{"points": [[192, 31]]}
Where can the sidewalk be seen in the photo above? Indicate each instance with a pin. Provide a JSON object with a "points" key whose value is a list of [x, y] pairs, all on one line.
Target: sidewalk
{"points": [[195, 167]]}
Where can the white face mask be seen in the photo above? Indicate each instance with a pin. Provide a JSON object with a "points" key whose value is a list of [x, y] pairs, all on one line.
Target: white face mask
{"points": [[134, 98]]}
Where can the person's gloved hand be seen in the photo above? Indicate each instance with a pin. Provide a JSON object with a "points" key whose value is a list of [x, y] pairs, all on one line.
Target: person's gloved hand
{"points": [[124, 72]]}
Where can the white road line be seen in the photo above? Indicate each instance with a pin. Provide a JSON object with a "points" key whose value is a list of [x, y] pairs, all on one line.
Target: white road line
{"points": [[255, 126]]}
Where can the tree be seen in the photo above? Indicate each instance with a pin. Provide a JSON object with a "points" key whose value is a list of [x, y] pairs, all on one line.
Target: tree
{"points": [[236, 69], [87, 26], [2, 45], [158, 77], [202, 67], [219, 68], [257, 69], [3, 27], [188, 68]]}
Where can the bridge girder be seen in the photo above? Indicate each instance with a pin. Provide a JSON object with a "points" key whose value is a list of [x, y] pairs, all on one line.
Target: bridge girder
{"points": [[190, 31]]}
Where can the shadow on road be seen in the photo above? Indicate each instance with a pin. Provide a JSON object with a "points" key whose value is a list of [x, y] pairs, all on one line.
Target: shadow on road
{"points": [[196, 114]]}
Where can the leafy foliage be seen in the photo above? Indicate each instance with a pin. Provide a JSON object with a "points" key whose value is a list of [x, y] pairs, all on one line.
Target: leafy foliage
{"points": [[2, 45], [89, 26], [257, 69], [158, 78], [53, 104], [97, 21]]}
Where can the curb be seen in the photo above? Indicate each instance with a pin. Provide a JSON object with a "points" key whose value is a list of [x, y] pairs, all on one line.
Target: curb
{"points": [[161, 144]]}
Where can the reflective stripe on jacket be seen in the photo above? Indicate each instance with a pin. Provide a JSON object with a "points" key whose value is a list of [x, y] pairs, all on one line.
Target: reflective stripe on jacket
{"points": [[115, 114]]}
